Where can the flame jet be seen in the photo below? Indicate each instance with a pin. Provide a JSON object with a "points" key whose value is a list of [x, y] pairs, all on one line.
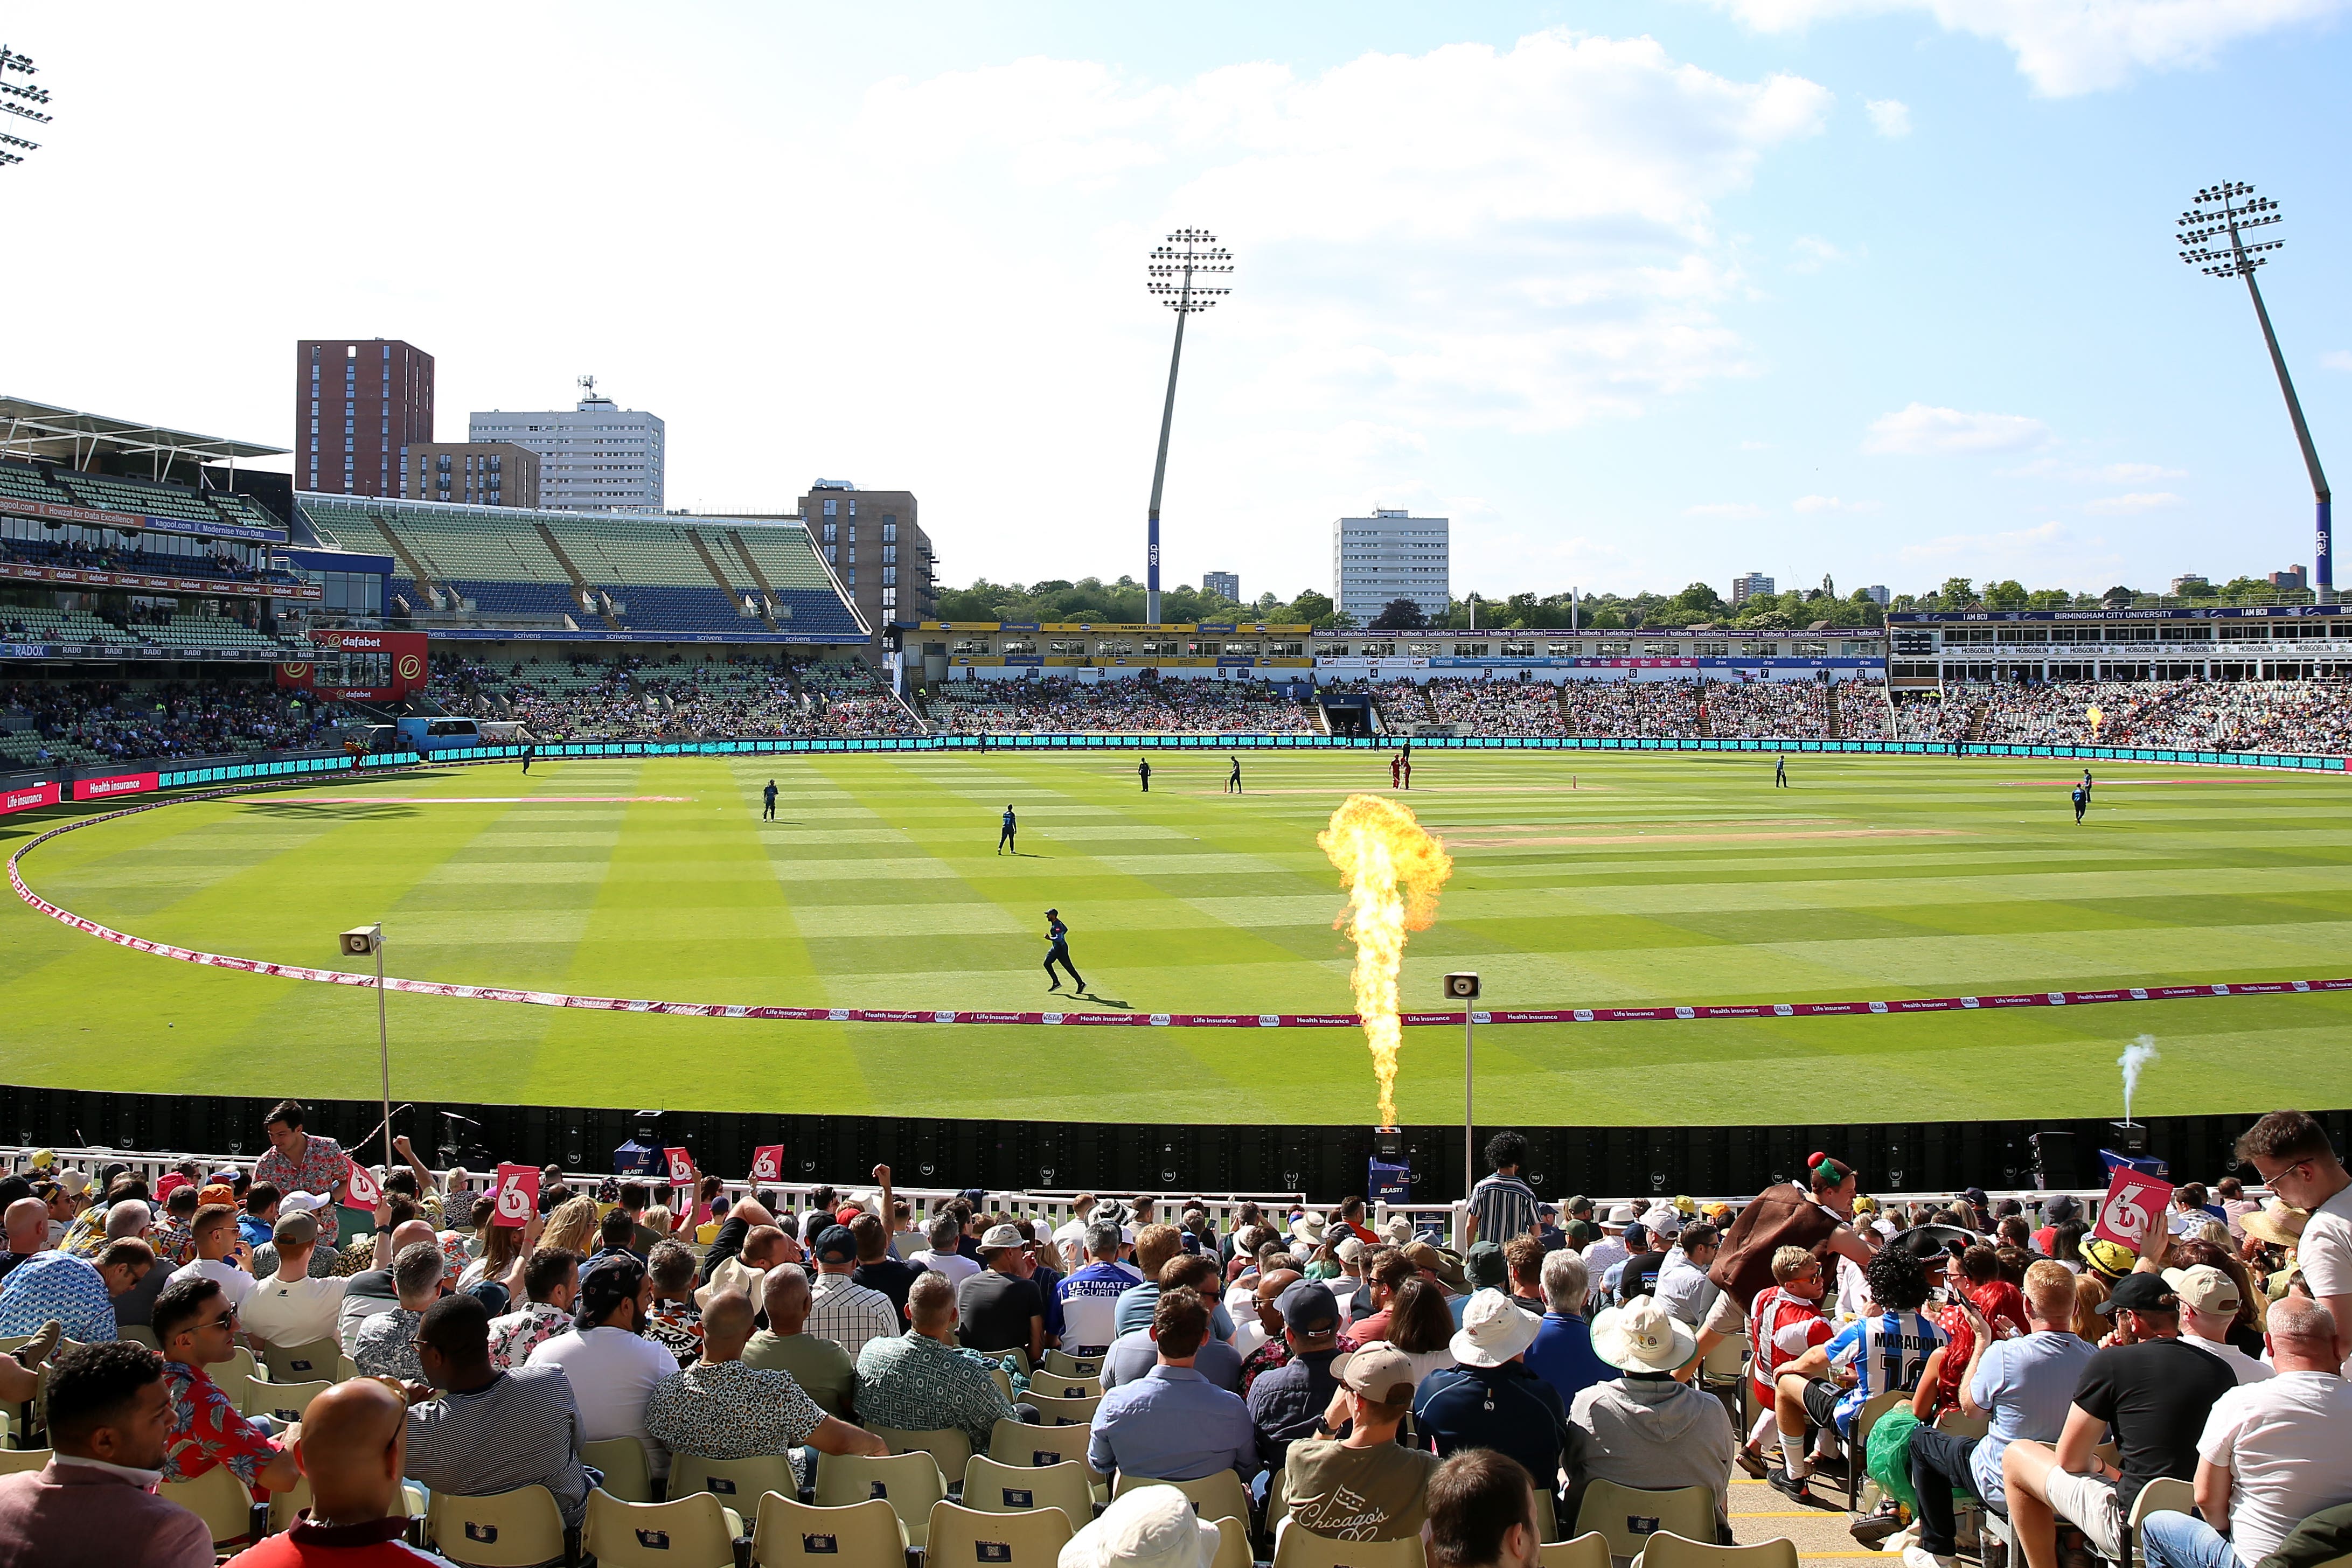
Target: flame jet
{"points": [[1392, 870]]}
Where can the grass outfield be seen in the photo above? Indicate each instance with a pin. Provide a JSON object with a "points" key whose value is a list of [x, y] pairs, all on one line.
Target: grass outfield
{"points": [[1659, 878]]}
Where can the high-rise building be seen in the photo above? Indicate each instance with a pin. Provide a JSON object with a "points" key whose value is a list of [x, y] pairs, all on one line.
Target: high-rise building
{"points": [[1879, 595], [595, 457], [358, 402], [1389, 555], [1228, 583], [2295, 577], [873, 544], [1744, 588], [470, 473]]}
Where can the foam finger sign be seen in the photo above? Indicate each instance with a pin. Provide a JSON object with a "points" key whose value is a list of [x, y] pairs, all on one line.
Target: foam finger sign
{"points": [[361, 1191], [768, 1163], [2135, 1205], [681, 1167], [517, 1192]]}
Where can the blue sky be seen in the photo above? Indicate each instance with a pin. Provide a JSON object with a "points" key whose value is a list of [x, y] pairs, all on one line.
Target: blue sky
{"points": [[1637, 294]]}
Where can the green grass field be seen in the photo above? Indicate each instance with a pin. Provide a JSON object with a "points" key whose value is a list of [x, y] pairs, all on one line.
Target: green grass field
{"points": [[1662, 878]]}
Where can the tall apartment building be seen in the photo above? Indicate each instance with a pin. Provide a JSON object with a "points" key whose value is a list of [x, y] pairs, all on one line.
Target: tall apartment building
{"points": [[594, 457], [875, 545], [1879, 595], [470, 473], [1389, 555], [358, 402], [1228, 583], [1744, 588]]}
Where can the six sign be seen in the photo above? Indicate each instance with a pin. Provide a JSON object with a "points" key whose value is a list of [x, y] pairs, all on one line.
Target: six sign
{"points": [[2135, 1205], [768, 1163], [518, 1191], [681, 1167], [362, 1191]]}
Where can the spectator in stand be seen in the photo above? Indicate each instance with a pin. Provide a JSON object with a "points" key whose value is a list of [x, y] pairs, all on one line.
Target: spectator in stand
{"points": [[2155, 1394], [1154, 1245], [1420, 1326], [1524, 1258], [877, 1271], [821, 1368], [493, 1428], [720, 1408], [353, 1453], [222, 1255], [1647, 1429], [2209, 1301], [1287, 1401], [292, 1307], [1001, 1308], [550, 1277], [1133, 1354], [613, 1369], [372, 1291], [674, 1321], [1610, 1251], [56, 1287], [386, 1345], [1786, 1321], [1561, 1353], [2021, 1388], [174, 1246], [93, 1505], [1173, 1423], [2060, 1210], [1491, 1399], [303, 1162], [1887, 1350], [1682, 1285], [945, 1257], [129, 1222], [922, 1381], [1502, 1205], [1349, 1478], [196, 1325], [842, 1310], [260, 1214], [1259, 1340], [1482, 1514], [1151, 1527], [1091, 1293], [2271, 1454], [764, 1250], [2296, 1162]]}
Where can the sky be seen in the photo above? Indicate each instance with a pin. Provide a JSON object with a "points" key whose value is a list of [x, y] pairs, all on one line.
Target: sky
{"points": [[1636, 295]]}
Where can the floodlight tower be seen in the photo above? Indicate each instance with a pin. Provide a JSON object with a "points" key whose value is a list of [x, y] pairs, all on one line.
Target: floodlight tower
{"points": [[1176, 274], [2211, 238], [18, 101]]}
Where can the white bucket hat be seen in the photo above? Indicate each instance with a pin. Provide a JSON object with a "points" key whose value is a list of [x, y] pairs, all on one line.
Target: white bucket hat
{"points": [[1641, 1336], [1307, 1228], [1619, 1216], [1493, 1330], [1151, 1527]]}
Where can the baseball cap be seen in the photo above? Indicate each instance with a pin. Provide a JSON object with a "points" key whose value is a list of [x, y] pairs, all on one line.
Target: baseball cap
{"points": [[1347, 1251], [1636, 1235], [1381, 1372], [1308, 1307], [1975, 1195], [302, 1202], [2140, 1294], [1576, 1203], [1485, 1268], [1664, 1220], [2205, 1288], [2062, 1208], [835, 1244]]}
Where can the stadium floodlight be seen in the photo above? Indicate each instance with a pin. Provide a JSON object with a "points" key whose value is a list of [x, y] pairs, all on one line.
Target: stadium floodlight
{"points": [[358, 943], [10, 95], [2211, 237], [1177, 275]]}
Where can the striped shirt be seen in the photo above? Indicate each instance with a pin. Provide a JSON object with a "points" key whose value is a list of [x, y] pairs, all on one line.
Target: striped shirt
{"points": [[849, 1313], [519, 1429], [1505, 1206]]}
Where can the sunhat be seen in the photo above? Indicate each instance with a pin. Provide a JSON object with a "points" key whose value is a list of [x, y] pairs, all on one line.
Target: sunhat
{"points": [[1493, 1330], [1642, 1336]]}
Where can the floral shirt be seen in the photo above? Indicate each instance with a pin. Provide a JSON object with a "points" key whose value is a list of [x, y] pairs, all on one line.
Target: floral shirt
{"points": [[676, 1327], [726, 1410], [85, 1237], [387, 1345], [1275, 1352], [321, 1169], [207, 1431], [514, 1337], [175, 1248]]}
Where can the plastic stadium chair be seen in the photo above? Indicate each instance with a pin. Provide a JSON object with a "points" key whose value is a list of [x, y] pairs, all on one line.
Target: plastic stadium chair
{"points": [[628, 1474], [15, 1460], [909, 1483], [1857, 1468], [1003, 1381], [1062, 1365], [1065, 1385], [1626, 1517], [240, 1365], [991, 1488], [2164, 1494], [1233, 1543], [949, 1449], [1300, 1547], [862, 1535], [1018, 1358], [735, 1482], [693, 1531], [221, 1501], [139, 1333], [1587, 1550], [286, 1401], [1012, 1442], [1667, 1550], [1219, 1496], [319, 1359], [1033, 1538], [1063, 1412], [519, 1529]]}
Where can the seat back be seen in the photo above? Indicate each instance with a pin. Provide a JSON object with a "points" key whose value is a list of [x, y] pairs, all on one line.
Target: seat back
{"points": [[503, 1529], [240, 1365], [1728, 1360], [686, 1532], [1063, 1386], [139, 1334], [1626, 1517], [1668, 1549], [1856, 1471], [1219, 1496], [1587, 1550], [1232, 1542], [909, 1483], [1951, 1423], [949, 1448], [286, 1401], [1300, 1547], [737, 1483], [318, 1360], [1031, 1538], [1012, 1442], [862, 1535], [217, 1498], [15, 1460], [1052, 1412], [993, 1487], [628, 1474], [1062, 1365], [2166, 1493]]}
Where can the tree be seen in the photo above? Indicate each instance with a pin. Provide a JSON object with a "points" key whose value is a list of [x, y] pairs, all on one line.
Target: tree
{"points": [[2049, 599], [2009, 595], [1310, 608], [2119, 595], [1399, 615], [1957, 592]]}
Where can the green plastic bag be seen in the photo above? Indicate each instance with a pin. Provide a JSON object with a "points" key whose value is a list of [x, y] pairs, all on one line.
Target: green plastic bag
{"points": [[1890, 1455]]}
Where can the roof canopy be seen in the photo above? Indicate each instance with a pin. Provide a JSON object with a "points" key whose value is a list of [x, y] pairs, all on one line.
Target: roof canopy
{"points": [[70, 437]]}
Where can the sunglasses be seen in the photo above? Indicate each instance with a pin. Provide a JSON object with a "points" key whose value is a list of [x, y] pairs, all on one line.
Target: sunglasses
{"points": [[226, 1320]]}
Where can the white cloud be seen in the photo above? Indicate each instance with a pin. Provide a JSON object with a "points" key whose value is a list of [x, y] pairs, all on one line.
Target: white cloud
{"points": [[1725, 509], [1888, 116], [2067, 47], [1812, 253], [2338, 359], [1921, 430], [2138, 501], [2091, 474], [1830, 504]]}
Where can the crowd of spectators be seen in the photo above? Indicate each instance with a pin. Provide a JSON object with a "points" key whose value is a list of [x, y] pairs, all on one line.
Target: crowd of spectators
{"points": [[215, 562], [639, 698], [1497, 707], [1059, 705], [1767, 710], [98, 721], [1385, 1379], [2311, 717]]}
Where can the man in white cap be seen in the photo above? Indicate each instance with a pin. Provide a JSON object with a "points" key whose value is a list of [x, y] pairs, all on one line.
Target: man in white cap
{"points": [[1492, 1399], [1647, 1429], [2208, 1305], [1352, 1480], [1001, 1308], [1151, 1527], [1610, 1251], [292, 1306]]}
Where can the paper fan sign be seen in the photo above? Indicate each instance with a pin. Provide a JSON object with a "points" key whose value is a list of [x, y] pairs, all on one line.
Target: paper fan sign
{"points": [[681, 1167], [518, 1191], [2134, 1206], [768, 1163], [362, 1192]]}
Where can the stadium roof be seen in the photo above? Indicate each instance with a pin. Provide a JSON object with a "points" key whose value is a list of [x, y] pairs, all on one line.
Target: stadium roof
{"points": [[71, 436]]}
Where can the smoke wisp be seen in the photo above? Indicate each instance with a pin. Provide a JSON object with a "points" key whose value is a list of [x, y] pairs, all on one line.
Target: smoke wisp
{"points": [[2135, 1061]]}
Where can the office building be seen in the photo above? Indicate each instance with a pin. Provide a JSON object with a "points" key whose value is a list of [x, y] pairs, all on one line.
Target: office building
{"points": [[1744, 588], [470, 473], [1876, 593], [1389, 555], [594, 457], [358, 402], [2295, 577], [1228, 583], [873, 544]]}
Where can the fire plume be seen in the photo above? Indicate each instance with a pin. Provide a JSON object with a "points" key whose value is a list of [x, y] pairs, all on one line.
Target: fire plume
{"points": [[1392, 869]]}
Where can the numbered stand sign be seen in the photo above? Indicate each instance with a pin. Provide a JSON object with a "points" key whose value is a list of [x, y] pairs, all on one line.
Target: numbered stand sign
{"points": [[517, 1192], [768, 1163], [2136, 1205]]}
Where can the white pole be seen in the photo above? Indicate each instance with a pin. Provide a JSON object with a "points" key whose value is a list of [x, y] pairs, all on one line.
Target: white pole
{"points": [[1469, 1120], [384, 1047]]}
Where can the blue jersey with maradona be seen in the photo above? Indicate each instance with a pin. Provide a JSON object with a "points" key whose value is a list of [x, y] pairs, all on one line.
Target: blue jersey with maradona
{"points": [[1888, 1352]]}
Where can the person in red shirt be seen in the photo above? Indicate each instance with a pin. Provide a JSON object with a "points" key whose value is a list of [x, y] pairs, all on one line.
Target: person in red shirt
{"points": [[1980, 1299], [1786, 1320], [354, 1449]]}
